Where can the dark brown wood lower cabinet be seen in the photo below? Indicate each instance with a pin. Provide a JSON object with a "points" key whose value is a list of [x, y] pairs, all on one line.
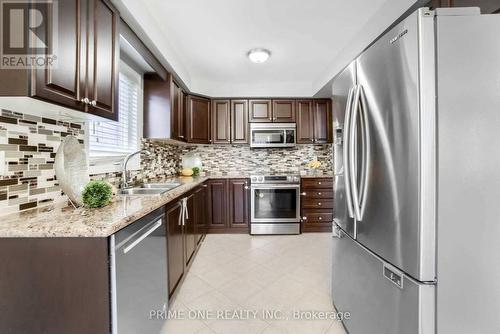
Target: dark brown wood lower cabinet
{"points": [[217, 205], [238, 205], [54, 285], [190, 241], [200, 211], [316, 204], [175, 245]]}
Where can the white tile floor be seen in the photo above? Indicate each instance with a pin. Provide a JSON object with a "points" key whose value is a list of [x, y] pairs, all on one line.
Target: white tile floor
{"points": [[256, 273]]}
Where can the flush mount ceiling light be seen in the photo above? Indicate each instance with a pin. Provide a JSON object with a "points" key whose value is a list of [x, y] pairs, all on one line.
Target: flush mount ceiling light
{"points": [[258, 55]]}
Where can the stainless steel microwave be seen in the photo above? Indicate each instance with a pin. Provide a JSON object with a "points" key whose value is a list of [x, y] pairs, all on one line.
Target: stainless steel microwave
{"points": [[272, 134]]}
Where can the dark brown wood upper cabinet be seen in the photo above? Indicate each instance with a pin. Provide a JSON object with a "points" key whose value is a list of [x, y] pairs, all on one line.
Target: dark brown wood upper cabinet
{"points": [[314, 118], [322, 121], [65, 83], [198, 120], [86, 76], [305, 122], [178, 112], [157, 107], [283, 111], [102, 85], [239, 121], [175, 247], [238, 203], [260, 111], [221, 122], [217, 204]]}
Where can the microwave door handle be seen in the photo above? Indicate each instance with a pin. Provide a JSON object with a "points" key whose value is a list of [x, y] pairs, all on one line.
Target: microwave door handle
{"points": [[366, 153], [353, 153], [347, 119]]}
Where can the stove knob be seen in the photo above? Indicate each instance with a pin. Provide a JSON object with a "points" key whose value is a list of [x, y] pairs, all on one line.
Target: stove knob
{"points": [[261, 179]]}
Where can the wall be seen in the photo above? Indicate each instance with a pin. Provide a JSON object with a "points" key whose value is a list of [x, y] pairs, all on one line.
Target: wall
{"points": [[28, 144]]}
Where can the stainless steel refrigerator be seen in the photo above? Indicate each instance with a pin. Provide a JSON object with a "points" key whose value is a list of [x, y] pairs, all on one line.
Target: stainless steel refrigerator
{"points": [[416, 246]]}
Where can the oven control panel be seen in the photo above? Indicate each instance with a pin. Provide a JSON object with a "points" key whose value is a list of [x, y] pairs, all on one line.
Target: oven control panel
{"points": [[275, 179]]}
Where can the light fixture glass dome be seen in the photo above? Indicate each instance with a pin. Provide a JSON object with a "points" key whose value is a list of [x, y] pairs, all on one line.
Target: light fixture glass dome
{"points": [[259, 55]]}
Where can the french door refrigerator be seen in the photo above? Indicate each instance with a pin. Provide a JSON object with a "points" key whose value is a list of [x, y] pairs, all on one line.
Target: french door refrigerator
{"points": [[416, 227]]}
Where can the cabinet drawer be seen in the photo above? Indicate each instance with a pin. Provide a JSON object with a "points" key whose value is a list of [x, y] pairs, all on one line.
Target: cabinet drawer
{"points": [[316, 193], [317, 217], [317, 183], [317, 203]]}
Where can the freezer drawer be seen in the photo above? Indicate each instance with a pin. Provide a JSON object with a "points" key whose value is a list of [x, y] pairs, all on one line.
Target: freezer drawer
{"points": [[380, 299]]}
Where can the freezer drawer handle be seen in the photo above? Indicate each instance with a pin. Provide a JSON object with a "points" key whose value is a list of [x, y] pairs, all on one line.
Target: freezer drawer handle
{"points": [[393, 276]]}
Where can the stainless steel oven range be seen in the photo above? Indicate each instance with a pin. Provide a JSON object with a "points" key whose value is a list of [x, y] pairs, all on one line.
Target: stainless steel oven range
{"points": [[275, 204]]}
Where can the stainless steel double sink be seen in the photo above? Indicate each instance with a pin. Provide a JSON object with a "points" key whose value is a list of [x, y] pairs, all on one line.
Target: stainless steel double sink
{"points": [[149, 189]]}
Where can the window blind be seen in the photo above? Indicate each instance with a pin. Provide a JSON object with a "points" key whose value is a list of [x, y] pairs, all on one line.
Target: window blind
{"points": [[114, 139]]}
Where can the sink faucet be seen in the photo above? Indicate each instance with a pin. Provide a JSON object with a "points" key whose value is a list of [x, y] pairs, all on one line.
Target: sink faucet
{"points": [[125, 172]]}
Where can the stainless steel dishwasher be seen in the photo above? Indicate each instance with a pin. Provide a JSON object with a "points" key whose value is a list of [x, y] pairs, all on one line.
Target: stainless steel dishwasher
{"points": [[139, 280]]}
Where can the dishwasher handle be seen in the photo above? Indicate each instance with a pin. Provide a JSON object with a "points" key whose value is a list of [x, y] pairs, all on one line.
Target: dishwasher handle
{"points": [[137, 241]]}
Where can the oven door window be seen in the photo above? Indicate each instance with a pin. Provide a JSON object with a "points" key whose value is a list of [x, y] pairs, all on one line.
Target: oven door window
{"points": [[268, 137], [275, 203]]}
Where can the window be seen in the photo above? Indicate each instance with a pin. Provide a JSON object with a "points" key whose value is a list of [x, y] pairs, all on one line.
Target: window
{"points": [[108, 142]]}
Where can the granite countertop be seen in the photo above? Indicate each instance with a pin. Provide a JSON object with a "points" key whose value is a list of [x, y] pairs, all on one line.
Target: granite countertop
{"points": [[61, 220]]}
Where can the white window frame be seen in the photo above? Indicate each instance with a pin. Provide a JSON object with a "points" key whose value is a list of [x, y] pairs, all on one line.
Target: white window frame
{"points": [[100, 165]]}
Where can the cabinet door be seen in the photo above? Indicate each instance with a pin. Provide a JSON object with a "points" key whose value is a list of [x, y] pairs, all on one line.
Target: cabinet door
{"points": [[221, 122], [238, 203], [217, 204], [200, 211], [283, 111], [323, 122], [175, 245], [239, 121], [177, 117], [103, 59], [198, 120], [305, 122], [190, 241], [260, 111], [65, 84]]}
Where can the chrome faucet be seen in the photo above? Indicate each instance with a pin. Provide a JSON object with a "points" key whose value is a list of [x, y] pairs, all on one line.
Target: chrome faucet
{"points": [[125, 172]]}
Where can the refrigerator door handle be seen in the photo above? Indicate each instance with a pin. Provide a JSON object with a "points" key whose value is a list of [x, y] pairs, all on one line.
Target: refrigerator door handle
{"points": [[366, 153], [352, 153], [347, 121]]}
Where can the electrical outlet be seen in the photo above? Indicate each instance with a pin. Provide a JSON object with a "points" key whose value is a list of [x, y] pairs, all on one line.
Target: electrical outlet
{"points": [[3, 165]]}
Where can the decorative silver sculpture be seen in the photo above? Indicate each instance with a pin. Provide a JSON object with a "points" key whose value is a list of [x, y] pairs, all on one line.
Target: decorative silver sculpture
{"points": [[72, 169]]}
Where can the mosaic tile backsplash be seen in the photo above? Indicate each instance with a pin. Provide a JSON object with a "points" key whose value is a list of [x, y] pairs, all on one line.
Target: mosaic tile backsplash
{"points": [[243, 159], [30, 143]]}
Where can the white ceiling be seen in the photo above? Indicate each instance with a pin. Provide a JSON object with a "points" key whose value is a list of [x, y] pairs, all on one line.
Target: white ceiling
{"points": [[206, 42]]}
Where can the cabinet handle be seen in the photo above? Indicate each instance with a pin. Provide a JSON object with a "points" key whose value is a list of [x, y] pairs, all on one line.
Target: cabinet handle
{"points": [[93, 103], [320, 218], [270, 118], [303, 194], [246, 187], [319, 183], [319, 194], [312, 140], [319, 203], [85, 100], [204, 186], [180, 136], [304, 218]]}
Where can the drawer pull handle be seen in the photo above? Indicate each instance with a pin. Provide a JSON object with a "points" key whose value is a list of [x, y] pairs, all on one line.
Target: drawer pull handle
{"points": [[319, 183], [320, 218], [304, 218], [303, 194], [319, 194], [319, 203]]}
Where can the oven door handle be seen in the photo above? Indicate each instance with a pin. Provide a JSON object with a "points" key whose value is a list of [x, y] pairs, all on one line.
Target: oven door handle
{"points": [[276, 186]]}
